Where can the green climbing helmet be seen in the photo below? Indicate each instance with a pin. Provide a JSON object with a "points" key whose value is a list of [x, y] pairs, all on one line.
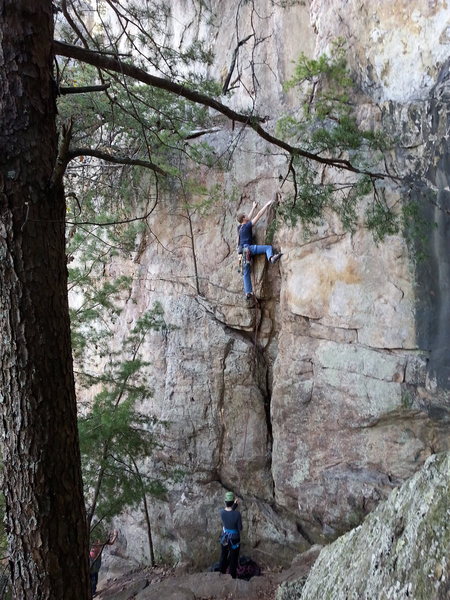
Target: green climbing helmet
{"points": [[229, 496]]}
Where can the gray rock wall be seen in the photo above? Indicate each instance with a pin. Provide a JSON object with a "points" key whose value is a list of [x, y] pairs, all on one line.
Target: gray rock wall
{"points": [[400, 551], [314, 403]]}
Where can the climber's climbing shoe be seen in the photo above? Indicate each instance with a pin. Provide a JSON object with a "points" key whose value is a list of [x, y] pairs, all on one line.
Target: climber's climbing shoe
{"points": [[275, 257]]}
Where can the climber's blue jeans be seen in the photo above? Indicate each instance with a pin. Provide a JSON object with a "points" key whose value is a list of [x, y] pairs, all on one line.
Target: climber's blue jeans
{"points": [[246, 272]]}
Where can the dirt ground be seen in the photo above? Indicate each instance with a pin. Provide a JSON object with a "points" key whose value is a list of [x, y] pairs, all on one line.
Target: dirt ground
{"points": [[161, 583], [165, 583]]}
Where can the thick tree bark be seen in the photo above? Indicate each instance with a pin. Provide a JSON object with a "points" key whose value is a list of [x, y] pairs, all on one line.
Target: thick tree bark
{"points": [[41, 472]]}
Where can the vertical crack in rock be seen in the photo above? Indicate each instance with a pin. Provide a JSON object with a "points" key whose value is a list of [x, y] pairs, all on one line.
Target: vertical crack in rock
{"points": [[262, 373], [267, 409]]}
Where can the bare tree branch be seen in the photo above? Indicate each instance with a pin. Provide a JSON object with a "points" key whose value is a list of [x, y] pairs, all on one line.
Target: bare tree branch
{"points": [[121, 160], [233, 63], [83, 89], [73, 24], [123, 17], [199, 132]]}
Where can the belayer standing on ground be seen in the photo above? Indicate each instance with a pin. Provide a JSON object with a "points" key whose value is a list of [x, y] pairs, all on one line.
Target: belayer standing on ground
{"points": [[95, 559], [230, 539], [248, 248]]}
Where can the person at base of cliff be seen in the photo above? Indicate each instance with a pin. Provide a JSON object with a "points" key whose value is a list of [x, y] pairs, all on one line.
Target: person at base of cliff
{"points": [[95, 559], [247, 246], [230, 539]]}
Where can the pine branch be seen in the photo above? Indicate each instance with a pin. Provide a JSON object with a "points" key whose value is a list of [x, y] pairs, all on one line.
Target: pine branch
{"points": [[250, 120], [114, 64]]}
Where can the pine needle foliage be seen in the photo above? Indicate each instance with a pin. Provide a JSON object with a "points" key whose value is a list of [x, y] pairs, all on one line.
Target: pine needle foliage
{"points": [[129, 119]]}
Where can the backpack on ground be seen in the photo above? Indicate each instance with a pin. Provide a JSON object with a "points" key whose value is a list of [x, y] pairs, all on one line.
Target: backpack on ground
{"points": [[247, 568]]}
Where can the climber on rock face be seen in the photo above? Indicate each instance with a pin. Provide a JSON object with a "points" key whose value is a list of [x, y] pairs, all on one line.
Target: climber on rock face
{"points": [[249, 249]]}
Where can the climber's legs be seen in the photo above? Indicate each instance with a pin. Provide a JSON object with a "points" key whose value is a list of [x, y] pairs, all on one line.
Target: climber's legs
{"points": [[267, 250], [246, 272]]}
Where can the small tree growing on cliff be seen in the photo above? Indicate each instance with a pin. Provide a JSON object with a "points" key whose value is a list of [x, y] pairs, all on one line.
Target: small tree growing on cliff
{"points": [[115, 436]]}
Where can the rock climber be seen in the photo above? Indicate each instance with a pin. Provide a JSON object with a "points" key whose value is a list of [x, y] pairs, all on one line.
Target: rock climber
{"points": [[249, 249], [230, 538], [95, 559]]}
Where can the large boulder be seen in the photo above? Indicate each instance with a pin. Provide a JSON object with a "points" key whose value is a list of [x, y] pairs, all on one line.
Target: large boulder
{"points": [[400, 552]]}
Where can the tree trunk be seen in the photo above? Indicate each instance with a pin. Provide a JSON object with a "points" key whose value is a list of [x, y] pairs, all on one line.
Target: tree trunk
{"points": [[146, 513], [45, 518]]}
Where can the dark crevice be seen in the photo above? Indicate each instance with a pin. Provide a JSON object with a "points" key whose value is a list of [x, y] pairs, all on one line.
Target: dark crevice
{"points": [[303, 533], [267, 410], [238, 334], [265, 386]]}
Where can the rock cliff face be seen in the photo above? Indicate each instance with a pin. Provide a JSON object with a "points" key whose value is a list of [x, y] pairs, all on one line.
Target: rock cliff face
{"points": [[398, 552], [315, 402]]}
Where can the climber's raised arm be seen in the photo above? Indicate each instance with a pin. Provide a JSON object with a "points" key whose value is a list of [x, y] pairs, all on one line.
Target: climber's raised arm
{"points": [[262, 211], [251, 213]]}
